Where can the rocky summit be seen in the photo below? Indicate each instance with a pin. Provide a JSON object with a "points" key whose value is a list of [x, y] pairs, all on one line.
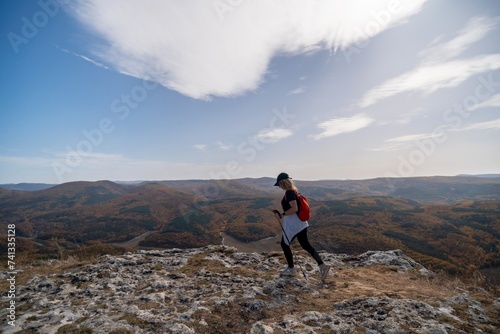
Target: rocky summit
{"points": [[216, 289]]}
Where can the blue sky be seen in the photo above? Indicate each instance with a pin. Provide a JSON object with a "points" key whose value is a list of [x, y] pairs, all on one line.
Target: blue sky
{"points": [[152, 90]]}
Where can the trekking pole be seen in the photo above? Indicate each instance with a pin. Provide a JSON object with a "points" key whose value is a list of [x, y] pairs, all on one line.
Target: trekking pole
{"points": [[289, 243]]}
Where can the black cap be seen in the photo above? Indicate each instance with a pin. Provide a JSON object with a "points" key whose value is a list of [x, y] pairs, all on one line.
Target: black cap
{"points": [[282, 176]]}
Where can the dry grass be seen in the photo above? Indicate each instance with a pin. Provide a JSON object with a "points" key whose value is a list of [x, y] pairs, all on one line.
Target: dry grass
{"points": [[44, 268], [148, 305], [342, 284], [199, 261], [134, 320], [384, 281], [73, 329], [345, 284]]}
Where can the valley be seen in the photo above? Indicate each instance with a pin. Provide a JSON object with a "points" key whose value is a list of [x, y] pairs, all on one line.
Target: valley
{"points": [[446, 223], [271, 244]]}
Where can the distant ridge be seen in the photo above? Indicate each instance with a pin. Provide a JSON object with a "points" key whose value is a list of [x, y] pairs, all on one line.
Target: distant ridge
{"points": [[480, 175], [27, 186], [255, 183]]}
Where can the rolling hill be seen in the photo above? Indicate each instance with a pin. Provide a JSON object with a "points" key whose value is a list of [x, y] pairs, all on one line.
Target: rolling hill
{"points": [[447, 223]]}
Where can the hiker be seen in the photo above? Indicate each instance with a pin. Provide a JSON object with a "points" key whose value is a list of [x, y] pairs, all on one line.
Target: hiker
{"points": [[294, 227]]}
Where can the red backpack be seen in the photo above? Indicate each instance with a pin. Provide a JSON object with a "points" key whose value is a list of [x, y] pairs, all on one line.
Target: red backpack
{"points": [[304, 212]]}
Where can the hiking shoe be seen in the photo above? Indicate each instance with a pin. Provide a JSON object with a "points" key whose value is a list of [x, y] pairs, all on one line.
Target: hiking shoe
{"points": [[323, 271], [288, 272]]}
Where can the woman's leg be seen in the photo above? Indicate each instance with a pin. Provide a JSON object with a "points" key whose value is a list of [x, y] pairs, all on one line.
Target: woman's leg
{"points": [[288, 253], [304, 243]]}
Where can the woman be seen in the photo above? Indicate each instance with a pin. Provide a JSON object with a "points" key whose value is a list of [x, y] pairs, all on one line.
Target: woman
{"points": [[294, 227]]}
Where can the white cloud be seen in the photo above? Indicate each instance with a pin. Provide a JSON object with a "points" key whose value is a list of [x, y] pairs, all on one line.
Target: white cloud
{"points": [[201, 51], [223, 146], [201, 147], [411, 138], [336, 126], [91, 61], [493, 101], [430, 78], [404, 142], [404, 118], [299, 90], [91, 155], [273, 135], [407, 141], [473, 32], [490, 125], [390, 147], [437, 70], [84, 58]]}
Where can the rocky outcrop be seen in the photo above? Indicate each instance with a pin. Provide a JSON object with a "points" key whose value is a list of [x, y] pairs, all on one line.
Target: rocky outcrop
{"points": [[218, 290]]}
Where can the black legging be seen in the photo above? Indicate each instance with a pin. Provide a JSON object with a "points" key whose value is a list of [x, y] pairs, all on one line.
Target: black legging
{"points": [[304, 243]]}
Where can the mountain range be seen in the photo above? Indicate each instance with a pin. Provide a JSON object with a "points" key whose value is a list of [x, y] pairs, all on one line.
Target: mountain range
{"points": [[450, 223], [263, 182]]}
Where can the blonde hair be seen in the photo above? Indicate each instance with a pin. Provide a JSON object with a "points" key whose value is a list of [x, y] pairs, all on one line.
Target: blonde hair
{"points": [[288, 184]]}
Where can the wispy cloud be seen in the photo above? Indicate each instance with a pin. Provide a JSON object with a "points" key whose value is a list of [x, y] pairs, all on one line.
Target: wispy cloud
{"points": [[404, 118], [201, 147], [85, 58], [185, 46], [222, 146], [411, 138], [298, 90], [390, 147], [475, 30], [403, 142], [489, 125], [430, 78], [92, 155], [91, 61], [493, 101], [407, 141], [273, 135], [438, 71], [336, 126]]}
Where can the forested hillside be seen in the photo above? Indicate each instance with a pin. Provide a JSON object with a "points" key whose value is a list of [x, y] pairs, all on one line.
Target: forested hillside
{"points": [[459, 232]]}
